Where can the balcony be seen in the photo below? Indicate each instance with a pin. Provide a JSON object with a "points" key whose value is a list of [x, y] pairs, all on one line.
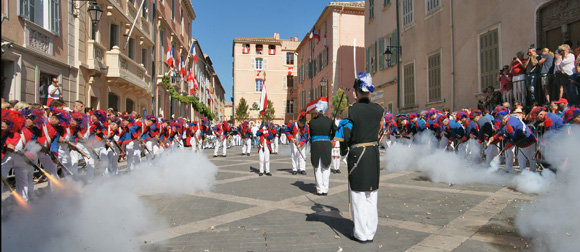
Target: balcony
{"points": [[96, 57], [124, 70]]}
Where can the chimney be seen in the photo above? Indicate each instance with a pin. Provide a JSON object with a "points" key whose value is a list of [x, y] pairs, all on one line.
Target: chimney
{"points": [[276, 36]]}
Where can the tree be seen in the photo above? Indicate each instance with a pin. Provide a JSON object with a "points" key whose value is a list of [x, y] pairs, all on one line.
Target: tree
{"points": [[242, 113], [270, 111], [336, 100]]}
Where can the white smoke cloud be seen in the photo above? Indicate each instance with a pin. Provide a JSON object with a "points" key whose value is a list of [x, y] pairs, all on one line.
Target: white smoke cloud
{"points": [[552, 221], [108, 214]]}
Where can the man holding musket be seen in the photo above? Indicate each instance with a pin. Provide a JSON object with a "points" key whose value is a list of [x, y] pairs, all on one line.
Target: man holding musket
{"points": [[321, 128], [359, 134]]}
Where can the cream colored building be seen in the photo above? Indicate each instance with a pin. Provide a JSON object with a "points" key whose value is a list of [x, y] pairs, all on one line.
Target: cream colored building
{"points": [[326, 64], [451, 50], [37, 45], [265, 59]]}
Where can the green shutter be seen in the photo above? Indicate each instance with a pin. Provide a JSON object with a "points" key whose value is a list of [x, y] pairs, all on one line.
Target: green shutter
{"points": [[381, 55], [395, 51]]}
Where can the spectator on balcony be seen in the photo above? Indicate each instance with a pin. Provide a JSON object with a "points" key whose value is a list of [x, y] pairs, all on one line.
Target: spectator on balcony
{"points": [[564, 73], [532, 71], [43, 92], [54, 91], [546, 63], [492, 98], [505, 79], [519, 74]]}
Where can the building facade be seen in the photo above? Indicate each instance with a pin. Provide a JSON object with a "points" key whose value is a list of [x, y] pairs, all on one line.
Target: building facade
{"points": [[326, 62], [270, 60], [38, 45], [452, 50]]}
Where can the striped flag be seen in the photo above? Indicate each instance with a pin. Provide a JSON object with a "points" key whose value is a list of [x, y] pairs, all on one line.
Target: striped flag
{"points": [[263, 97]]}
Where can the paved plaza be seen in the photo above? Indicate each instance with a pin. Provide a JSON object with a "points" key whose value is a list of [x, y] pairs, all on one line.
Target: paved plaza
{"points": [[246, 212]]}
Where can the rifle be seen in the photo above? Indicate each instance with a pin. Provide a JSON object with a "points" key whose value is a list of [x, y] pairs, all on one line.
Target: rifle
{"points": [[120, 149], [48, 152], [75, 148]]}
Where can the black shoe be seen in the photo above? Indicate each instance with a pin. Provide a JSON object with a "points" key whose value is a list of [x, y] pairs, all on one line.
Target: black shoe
{"points": [[214, 155], [357, 240], [224, 156], [294, 172], [337, 171], [303, 172], [268, 174], [248, 154], [261, 174], [333, 171]]}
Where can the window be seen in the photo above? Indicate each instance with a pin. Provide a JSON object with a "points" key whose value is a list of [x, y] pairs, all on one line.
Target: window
{"points": [[144, 57], [144, 10], [488, 58], [289, 58], [289, 81], [385, 3], [259, 83], [431, 5], [34, 10], [114, 36], [246, 48], [290, 106], [114, 101], [259, 49], [173, 9], [407, 12], [131, 51], [325, 57], [272, 49], [258, 64], [409, 85], [371, 9], [434, 75], [129, 105]]}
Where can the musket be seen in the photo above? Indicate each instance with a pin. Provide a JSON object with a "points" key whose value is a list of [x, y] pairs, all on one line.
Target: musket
{"points": [[75, 148], [90, 147], [298, 148], [107, 142], [120, 149], [52, 156]]}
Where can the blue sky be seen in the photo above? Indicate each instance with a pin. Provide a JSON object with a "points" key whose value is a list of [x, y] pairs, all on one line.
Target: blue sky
{"points": [[219, 22]]}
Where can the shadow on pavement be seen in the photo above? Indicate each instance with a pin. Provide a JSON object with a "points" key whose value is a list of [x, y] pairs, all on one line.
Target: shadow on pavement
{"points": [[254, 170], [288, 170], [310, 187], [330, 216]]}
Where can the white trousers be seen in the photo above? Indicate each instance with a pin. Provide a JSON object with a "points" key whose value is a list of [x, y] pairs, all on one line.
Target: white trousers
{"points": [[65, 157], [298, 161], [219, 142], [364, 214], [23, 172], [322, 175], [276, 140], [264, 155], [112, 166], [509, 159], [525, 155], [133, 149], [246, 145], [443, 142], [193, 143], [49, 166], [490, 153]]}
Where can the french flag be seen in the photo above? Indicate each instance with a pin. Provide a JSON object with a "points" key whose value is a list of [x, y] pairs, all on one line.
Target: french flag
{"points": [[320, 102], [263, 97], [193, 52], [182, 67], [314, 34], [170, 56]]}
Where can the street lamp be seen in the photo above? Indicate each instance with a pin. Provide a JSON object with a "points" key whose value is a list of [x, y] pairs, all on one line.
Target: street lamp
{"points": [[389, 52], [95, 13], [323, 86]]}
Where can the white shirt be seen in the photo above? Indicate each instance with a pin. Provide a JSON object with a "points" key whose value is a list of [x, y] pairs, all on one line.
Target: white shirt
{"points": [[56, 94], [566, 65], [254, 130]]}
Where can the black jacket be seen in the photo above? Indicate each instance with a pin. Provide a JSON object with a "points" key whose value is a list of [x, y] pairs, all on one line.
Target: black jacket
{"points": [[366, 118], [321, 127]]}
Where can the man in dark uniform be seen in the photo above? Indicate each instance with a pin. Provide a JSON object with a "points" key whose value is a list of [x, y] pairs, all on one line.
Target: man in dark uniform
{"points": [[359, 133], [321, 128]]}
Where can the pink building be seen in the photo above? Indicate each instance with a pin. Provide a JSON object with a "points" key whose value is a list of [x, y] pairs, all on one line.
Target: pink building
{"points": [[326, 64]]}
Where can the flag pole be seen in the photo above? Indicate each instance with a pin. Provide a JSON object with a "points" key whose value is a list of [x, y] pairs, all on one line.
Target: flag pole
{"points": [[134, 22]]}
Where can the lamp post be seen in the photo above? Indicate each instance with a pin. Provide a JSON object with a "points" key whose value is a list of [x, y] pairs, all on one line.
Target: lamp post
{"points": [[323, 85], [95, 13], [389, 53]]}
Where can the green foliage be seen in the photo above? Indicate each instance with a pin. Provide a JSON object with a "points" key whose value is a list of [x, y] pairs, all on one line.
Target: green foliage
{"points": [[336, 99], [197, 106], [270, 111], [242, 113]]}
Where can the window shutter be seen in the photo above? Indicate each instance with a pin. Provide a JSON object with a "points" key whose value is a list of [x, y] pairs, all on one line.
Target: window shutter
{"points": [[253, 63], [381, 55], [285, 82], [55, 19], [24, 8], [285, 106], [265, 64], [367, 60], [394, 42], [375, 58]]}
